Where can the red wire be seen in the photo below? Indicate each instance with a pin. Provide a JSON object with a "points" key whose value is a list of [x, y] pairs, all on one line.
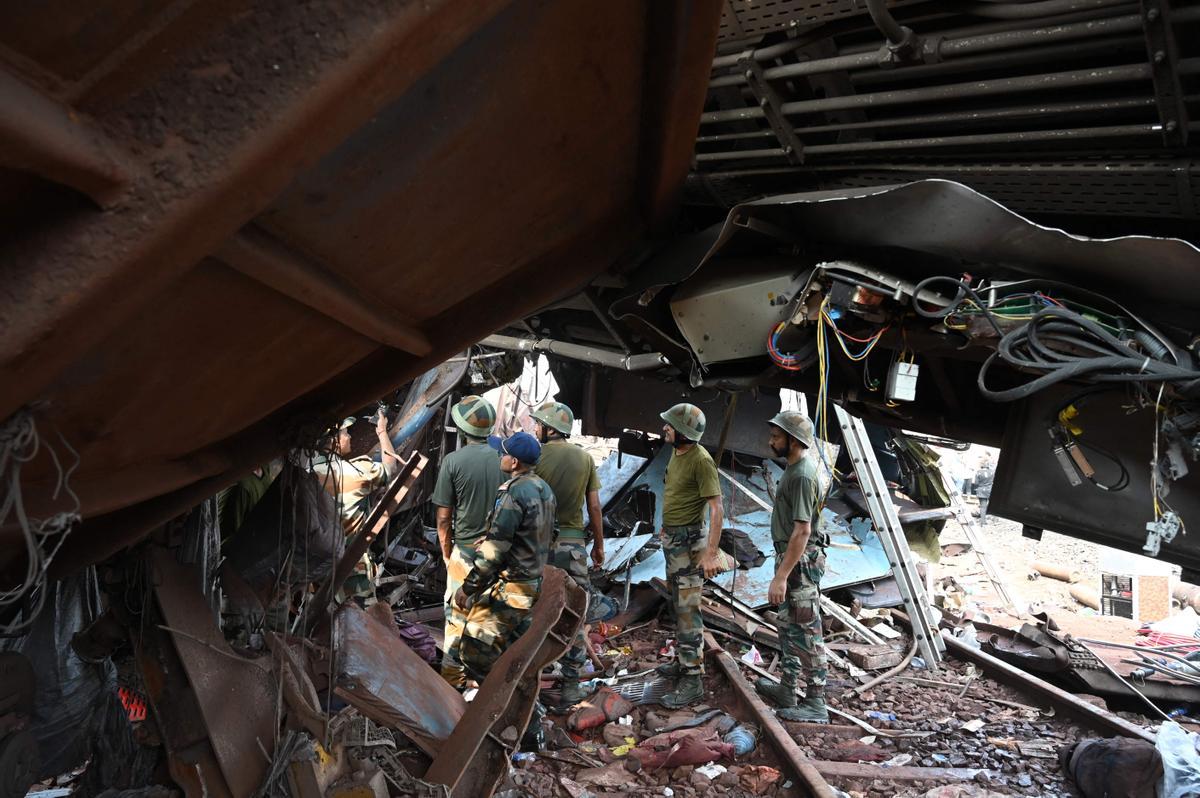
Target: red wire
{"points": [[860, 340]]}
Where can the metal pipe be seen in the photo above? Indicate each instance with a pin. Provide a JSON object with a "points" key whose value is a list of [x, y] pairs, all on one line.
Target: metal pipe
{"points": [[1114, 131], [1141, 650], [1037, 9], [1146, 662], [1113, 672], [887, 24], [949, 48], [1108, 48], [589, 354], [1036, 110], [953, 91]]}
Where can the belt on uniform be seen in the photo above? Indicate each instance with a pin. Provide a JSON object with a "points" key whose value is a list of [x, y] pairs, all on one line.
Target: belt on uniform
{"points": [[504, 577], [571, 534], [684, 528]]}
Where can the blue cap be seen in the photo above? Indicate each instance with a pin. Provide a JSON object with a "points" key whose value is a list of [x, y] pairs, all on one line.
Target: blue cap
{"points": [[522, 446]]}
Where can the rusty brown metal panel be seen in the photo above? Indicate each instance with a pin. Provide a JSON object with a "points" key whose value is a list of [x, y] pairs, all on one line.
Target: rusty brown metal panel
{"points": [[385, 680], [261, 132], [236, 696], [684, 35], [497, 165], [127, 348], [475, 758]]}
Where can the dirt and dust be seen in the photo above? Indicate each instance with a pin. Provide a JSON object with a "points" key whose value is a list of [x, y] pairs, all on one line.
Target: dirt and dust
{"points": [[1014, 555]]}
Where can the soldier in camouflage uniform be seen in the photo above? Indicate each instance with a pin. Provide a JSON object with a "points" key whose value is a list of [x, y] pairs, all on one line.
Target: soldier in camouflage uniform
{"points": [[571, 474], [799, 565], [464, 494], [691, 487], [499, 592]]}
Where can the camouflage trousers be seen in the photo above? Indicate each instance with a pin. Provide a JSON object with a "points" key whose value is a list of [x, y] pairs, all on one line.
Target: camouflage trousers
{"points": [[684, 548], [570, 554], [800, 631], [499, 617], [462, 559]]}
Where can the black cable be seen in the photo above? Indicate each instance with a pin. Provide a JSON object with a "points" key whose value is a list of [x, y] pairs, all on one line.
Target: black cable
{"points": [[964, 291], [1050, 342]]}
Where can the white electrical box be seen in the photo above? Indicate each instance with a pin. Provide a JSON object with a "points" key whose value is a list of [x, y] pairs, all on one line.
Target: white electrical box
{"points": [[902, 381]]}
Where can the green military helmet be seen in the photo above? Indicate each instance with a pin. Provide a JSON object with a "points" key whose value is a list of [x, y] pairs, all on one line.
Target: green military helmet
{"points": [[556, 416], [796, 424], [474, 415], [687, 419]]}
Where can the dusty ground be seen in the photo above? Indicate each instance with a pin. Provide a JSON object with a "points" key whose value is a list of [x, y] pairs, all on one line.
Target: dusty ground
{"points": [[1014, 555]]}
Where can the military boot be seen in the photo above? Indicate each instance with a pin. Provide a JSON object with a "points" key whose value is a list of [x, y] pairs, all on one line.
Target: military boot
{"points": [[688, 690], [669, 670], [572, 693], [782, 693], [810, 710]]}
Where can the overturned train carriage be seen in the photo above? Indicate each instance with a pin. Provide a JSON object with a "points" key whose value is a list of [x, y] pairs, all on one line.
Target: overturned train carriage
{"points": [[226, 225]]}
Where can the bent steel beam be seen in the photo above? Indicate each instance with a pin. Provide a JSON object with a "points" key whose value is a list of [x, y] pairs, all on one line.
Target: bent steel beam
{"points": [[261, 257], [40, 135], [475, 758]]}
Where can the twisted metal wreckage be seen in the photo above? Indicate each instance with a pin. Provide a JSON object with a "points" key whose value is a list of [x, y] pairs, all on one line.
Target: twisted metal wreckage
{"points": [[214, 246]]}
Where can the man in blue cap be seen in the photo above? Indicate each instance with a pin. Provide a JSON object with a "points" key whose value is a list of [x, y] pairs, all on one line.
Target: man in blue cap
{"points": [[499, 592]]}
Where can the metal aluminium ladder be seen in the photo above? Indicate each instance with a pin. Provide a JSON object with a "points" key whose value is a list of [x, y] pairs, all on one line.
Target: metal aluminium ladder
{"points": [[891, 534]]}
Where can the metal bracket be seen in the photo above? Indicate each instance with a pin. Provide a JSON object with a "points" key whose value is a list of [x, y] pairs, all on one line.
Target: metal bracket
{"points": [[476, 756], [772, 108], [1161, 531], [1164, 57]]}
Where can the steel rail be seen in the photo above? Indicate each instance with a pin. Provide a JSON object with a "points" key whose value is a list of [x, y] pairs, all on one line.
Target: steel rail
{"points": [[953, 91]]}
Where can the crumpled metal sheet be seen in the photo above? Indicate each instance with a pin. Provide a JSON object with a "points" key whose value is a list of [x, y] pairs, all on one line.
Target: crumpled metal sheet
{"points": [[619, 551], [388, 682], [953, 221]]}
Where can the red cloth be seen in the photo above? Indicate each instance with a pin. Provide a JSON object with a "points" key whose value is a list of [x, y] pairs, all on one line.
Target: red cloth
{"points": [[681, 747]]}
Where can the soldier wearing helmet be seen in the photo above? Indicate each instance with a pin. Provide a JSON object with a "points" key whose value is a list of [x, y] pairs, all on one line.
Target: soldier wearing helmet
{"points": [[571, 474], [690, 490], [464, 494], [799, 565]]}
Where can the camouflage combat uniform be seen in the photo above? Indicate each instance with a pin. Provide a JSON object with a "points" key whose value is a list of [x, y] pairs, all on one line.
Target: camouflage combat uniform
{"points": [[507, 575], [467, 483], [571, 474], [351, 483], [691, 480], [797, 498]]}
